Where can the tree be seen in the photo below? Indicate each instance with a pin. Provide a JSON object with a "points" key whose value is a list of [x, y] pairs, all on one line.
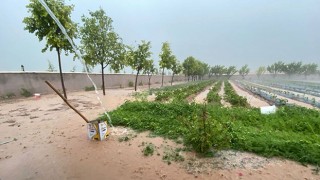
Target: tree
{"points": [[100, 44], [261, 70], [188, 66], [44, 27], [166, 57], [230, 71], [218, 70], [205, 69], [244, 70], [176, 68], [137, 58], [149, 69], [309, 69], [276, 68], [292, 68]]}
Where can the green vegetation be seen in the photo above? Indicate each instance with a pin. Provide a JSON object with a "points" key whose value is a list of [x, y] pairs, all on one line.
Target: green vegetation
{"points": [[100, 45], [8, 96], [148, 150], [89, 88], [179, 94], [24, 92], [194, 68], [213, 96], [244, 70], [292, 132], [137, 58], [232, 97], [45, 28], [167, 58]]}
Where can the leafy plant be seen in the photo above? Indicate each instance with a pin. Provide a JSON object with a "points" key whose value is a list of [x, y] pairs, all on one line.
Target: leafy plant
{"points": [[233, 98], [292, 132], [148, 150], [24, 92], [89, 88], [213, 96], [205, 132]]}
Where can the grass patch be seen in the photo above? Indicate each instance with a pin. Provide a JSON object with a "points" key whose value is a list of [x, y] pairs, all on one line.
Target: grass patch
{"points": [[292, 132]]}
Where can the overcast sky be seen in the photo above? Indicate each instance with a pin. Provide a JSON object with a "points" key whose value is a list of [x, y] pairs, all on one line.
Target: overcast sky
{"points": [[226, 32]]}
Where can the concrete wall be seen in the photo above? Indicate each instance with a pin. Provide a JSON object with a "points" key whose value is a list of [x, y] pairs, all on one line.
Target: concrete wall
{"points": [[12, 82]]}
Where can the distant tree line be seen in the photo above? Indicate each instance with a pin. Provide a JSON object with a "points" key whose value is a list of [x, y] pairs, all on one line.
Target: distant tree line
{"points": [[293, 68]]}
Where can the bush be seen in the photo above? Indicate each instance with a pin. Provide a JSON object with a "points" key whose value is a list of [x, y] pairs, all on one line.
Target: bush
{"points": [[148, 150], [8, 96], [130, 84], [140, 83], [24, 92], [89, 88], [205, 133]]}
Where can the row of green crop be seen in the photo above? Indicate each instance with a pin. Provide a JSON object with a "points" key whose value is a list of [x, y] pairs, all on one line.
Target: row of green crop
{"points": [[232, 97], [213, 95], [173, 87], [182, 93], [292, 132]]}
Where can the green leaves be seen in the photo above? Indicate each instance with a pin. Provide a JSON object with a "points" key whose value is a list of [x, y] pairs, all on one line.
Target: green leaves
{"points": [[233, 98], [213, 96], [99, 43], [137, 58], [204, 127], [244, 70], [44, 27], [193, 67], [166, 57]]}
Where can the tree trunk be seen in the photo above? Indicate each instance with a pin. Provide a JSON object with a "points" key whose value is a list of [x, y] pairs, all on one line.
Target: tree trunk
{"points": [[61, 76], [135, 84], [102, 76], [172, 78], [149, 82], [162, 76]]}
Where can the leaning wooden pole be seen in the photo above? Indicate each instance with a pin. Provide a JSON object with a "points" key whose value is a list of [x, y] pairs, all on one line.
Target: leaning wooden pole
{"points": [[66, 101]]}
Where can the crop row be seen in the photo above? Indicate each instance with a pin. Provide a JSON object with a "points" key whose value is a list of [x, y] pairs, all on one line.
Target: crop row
{"points": [[213, 95], [264, 94], [173, 87], [290, 95], [183, 92], [232, 97], [292, 132], [294, 86]]}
